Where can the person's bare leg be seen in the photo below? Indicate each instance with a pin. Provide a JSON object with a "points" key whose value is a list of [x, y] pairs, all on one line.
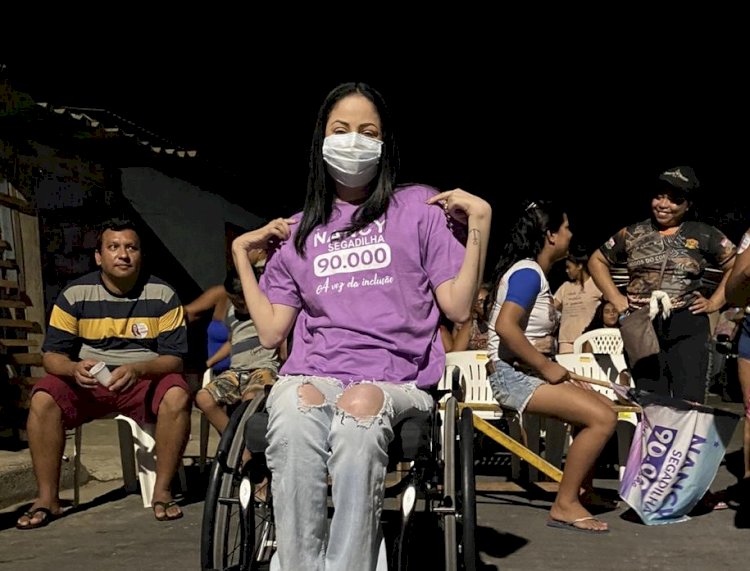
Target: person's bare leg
{"points": [[172, 432], [46, 442], [743, 372], [214, 412], [589, 496], [596, 421]]}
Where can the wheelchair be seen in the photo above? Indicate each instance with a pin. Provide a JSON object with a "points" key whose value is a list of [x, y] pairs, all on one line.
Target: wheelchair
{"points": [[438, 489]]}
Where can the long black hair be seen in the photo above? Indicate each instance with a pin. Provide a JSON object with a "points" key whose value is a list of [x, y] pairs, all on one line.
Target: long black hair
{"points": [[526, 238], [597, 321], [320, 186]]}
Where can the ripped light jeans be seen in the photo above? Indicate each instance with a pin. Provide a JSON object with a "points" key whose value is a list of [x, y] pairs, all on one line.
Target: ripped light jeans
{"points": [[306, 443]]}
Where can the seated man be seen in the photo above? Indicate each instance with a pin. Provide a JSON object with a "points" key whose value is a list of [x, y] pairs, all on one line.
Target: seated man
{"points": [[134, 323], [251, 367]]}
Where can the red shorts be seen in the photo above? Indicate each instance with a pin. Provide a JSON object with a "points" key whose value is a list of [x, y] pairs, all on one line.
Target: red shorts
{"points": [[140, 402]]}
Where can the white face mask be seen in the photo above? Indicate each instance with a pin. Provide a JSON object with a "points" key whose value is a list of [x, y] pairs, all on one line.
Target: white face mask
{"points": [[352, 159]]}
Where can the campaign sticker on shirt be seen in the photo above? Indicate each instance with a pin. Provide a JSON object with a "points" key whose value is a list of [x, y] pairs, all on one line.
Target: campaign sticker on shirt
{"points": [[140, 330], [610, 243], [691, 243]]}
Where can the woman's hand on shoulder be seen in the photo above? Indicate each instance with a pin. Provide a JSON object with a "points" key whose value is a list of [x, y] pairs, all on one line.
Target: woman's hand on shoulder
{"points": [[462, 205], [279, 228]]}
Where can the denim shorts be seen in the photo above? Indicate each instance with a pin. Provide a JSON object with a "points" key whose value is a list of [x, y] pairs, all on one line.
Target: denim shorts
{"points": [[511, 387]]}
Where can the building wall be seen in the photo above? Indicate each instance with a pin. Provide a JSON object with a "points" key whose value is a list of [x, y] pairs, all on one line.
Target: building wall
{"points": [[189, 221]]}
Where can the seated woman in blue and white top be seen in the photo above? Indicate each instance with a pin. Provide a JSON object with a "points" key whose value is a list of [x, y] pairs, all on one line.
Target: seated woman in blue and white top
{"points": [[522, 324]]}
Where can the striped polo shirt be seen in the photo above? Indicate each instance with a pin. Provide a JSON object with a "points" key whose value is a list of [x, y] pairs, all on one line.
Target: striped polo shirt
{"points": [[90, 322], [247, 352]]}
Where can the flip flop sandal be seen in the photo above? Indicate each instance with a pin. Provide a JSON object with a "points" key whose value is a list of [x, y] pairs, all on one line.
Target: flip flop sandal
{"points": [[165, 506], [720, 505], [48, 518], [571, 525]]}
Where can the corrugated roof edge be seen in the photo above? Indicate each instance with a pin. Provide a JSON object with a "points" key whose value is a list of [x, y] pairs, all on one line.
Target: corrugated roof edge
{"points": [[114, 123]]}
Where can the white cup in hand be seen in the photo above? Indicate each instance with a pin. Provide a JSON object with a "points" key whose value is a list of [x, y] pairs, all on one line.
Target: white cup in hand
{"points": [[101, 373]]}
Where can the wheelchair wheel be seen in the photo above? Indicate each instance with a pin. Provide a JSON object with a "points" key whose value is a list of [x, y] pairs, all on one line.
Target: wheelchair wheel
{"points": [[459, 489], [236, 531], [467, 499], [450, 537]]}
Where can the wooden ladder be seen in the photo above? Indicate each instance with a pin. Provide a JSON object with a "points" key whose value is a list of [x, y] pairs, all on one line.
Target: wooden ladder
{"points": [[19, 352]]}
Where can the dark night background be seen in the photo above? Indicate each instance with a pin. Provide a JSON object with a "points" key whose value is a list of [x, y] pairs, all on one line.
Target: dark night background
{"points": [[594, 133]]}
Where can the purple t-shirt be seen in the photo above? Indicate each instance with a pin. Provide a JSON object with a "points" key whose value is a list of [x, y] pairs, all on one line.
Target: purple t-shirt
{"points": [[366, 305]]}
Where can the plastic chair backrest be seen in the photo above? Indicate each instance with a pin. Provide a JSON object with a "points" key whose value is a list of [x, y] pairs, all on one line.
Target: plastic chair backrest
{"points": [[603, 340], [473, 375]]}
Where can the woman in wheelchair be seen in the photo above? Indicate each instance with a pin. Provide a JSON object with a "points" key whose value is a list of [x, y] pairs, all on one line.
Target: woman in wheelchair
{"points": [[522, 325], [362, 275]]}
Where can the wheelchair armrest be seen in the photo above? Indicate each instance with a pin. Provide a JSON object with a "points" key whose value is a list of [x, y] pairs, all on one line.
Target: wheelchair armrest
{"points": [[255, 433], [411, 438]]}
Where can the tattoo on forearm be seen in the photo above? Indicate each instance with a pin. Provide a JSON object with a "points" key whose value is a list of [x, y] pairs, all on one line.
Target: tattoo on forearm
{"points": [[475, 235]]}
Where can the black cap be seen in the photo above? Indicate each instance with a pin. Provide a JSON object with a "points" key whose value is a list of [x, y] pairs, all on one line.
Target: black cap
{"points": [[681, 178]]}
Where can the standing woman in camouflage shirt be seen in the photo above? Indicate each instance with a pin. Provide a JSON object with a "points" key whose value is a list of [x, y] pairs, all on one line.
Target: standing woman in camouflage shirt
{"points": [[669, 252]]}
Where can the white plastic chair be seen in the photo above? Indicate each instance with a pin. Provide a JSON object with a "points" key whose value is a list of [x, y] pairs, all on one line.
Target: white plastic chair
{"points": [[477, 392], [603, 340], [138, 457]]}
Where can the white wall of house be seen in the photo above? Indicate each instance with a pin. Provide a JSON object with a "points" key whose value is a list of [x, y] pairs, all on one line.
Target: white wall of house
{"points": [[189, 221]]}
